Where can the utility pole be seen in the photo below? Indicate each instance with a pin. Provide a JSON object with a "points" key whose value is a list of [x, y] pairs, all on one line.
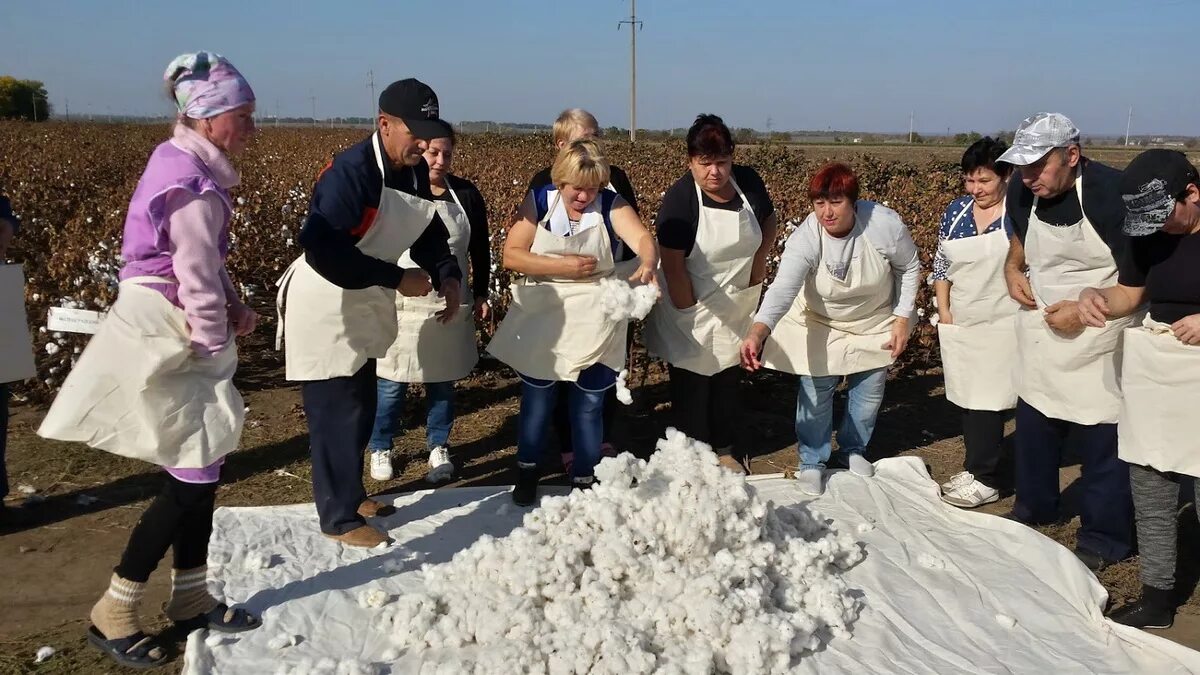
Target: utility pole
{"points": [[910, 125], [67, 108], [372, 108], [313, 97], [634, 26], [276, 111], [1128, 125]]}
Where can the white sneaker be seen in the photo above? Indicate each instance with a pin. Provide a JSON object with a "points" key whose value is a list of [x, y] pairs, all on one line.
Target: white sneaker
{"points": [[958, 480], [809, 481], [859, 466], [971, 495], [440, 467], [381, 464]]}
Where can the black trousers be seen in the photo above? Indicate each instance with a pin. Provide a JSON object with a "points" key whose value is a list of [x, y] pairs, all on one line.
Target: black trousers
{"points": [[983, 434], [341, 415], [179, 518], [708, 407]]}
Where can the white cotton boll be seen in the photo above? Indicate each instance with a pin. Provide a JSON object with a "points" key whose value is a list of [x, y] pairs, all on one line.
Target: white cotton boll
{"points": [[1006, 621], [623, 394], [373, 599], [392, 566], [241, 201], [390, 654], [44, 654], [930, 561], [623, 301], [864, 528], [51, 348], [283, 641], [26, 489], [256, 560], [933, 319]]}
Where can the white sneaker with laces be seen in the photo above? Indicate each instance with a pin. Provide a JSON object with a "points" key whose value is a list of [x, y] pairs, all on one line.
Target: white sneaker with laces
{"points": [[809, 481], [859, 466], [440, 466], [381, 465], [958, 480], [971, 495]]}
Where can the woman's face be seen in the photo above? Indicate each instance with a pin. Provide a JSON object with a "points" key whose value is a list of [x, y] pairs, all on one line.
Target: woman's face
{"points": [[578, 197], [836, 214], [711, 173], [230, 131], [439, 155], [986, 186]]}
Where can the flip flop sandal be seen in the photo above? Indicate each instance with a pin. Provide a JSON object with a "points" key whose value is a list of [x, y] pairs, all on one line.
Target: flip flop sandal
{"points": [[138, 651], [223, 619]]}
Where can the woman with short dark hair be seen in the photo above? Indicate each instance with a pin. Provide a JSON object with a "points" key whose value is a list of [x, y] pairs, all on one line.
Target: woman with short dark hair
{"points": [[839, 308], [977, 320], [715, 227]]}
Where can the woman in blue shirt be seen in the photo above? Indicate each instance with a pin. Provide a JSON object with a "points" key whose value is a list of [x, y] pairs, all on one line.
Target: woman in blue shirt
{"points": [[976, 320]]}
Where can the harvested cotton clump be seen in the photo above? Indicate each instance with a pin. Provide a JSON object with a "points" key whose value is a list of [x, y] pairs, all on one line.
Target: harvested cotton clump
{"points": [[1006, 621], [671, 565], [930, 561], [283, 641], [256, 560], [44, 654], [623, 394], [623, 301], [373, 599]]}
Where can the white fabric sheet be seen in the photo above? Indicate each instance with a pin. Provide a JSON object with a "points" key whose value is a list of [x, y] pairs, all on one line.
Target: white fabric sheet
{"points": [[934, 581]]}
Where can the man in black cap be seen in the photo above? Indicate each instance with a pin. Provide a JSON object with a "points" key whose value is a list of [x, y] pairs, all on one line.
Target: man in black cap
{"points": [[337, 301], [1160, 373]]}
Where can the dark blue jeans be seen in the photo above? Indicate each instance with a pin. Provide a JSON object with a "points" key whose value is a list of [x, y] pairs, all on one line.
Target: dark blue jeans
{"points": [[439, 416], [586, 412], [1106, 510]]}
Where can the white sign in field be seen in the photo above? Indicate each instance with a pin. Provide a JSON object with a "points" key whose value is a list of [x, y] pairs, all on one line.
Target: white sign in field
{"points": [[16, 345], [65, 320]]}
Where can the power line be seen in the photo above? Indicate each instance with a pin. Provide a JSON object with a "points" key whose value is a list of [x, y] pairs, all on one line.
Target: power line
{"points": [[634, 27], [372, 108]]}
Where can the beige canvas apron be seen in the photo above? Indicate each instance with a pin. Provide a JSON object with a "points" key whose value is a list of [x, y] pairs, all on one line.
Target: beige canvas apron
{"points": [[1069, 378], [333, 331], [979, 350], [837, 326], [425, 350], [140, 391], [556, 328], [706, 337], [16, 344], [1160, 385]]}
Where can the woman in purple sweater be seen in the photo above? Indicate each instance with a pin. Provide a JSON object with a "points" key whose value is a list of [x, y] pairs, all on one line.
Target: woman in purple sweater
{"points": [[156, 381]]}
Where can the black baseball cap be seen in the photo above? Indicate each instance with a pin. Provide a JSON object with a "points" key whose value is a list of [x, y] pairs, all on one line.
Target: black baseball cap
{"points": [[414, 102], [1151, 185]]}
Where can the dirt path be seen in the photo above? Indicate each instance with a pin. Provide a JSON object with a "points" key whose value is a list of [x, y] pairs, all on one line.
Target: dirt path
{"points": [[54, 569]]}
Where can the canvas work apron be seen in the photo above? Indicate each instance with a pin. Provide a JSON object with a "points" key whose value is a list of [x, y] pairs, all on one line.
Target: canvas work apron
{"points": [[979, 350], [837, 326], [140, 391], [1069, 378], [1160, 386], [706, 337], [333, 331], [425, 350], [556, 328], [16, 344]]}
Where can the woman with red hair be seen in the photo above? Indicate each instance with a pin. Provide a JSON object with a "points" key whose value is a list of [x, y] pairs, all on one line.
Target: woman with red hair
{"points": [[857, 266], [714, 228]]}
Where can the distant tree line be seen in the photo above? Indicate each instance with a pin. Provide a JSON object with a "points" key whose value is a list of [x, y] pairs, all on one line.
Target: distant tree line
{"points": [[24, 99]]}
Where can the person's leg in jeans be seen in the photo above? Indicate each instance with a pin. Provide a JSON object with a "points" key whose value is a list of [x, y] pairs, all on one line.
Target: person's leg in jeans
{"points": [[691, 403], [814, 419], [439, 417], [725, 412], [562, 428], [538, 404], [389, 407], [862, 410], [341, 414], [1106, 514], [983, 434], [587, 430], [1039, 441]]}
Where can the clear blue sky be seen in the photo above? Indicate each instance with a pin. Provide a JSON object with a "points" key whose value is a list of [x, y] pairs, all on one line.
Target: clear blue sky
{"points": [[846, 64]]}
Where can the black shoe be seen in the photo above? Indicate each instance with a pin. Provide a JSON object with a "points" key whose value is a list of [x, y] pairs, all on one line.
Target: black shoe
{"points": [[582, 483], [1012, 515], [1154, 609], [1092, 560], [525, 491], [13, 518]]}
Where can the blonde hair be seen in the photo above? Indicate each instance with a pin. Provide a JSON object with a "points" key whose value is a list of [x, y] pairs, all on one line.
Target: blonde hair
{"points": [[571, 120], [580, 163]]}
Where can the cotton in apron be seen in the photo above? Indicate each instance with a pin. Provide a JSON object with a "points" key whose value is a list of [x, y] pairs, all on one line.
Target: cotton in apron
{"points": [[1160, 385], [706, 338], [556, 328], [1069, 378], [425, 350], [979, 350], [140, 391], [333, 331], [837, 326]]}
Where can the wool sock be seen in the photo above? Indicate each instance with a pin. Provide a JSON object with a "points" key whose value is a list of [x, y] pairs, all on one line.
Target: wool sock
{"points": [[189, 594], [116, 614]]}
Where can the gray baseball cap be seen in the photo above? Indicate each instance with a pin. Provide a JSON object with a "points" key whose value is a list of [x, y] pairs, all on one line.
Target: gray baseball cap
{"points": [[1037, 136]]}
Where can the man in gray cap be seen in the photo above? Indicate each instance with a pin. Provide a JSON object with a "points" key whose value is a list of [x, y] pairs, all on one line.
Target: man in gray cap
{"points": [[1067, 215], [338, 300]]}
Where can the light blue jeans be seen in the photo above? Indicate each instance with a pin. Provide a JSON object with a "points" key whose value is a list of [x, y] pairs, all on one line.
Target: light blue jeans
{"points": [[439, 404], [814, 415]]}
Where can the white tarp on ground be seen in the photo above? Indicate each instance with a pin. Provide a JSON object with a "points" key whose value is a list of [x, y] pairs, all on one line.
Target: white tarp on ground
{"points": [[938, 583]]}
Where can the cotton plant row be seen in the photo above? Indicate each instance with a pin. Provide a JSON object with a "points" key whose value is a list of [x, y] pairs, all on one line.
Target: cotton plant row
{"points": [[672, 565]]}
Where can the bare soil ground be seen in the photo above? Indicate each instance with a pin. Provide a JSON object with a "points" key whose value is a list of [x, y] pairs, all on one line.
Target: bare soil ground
{"points": [[55, 567]]}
